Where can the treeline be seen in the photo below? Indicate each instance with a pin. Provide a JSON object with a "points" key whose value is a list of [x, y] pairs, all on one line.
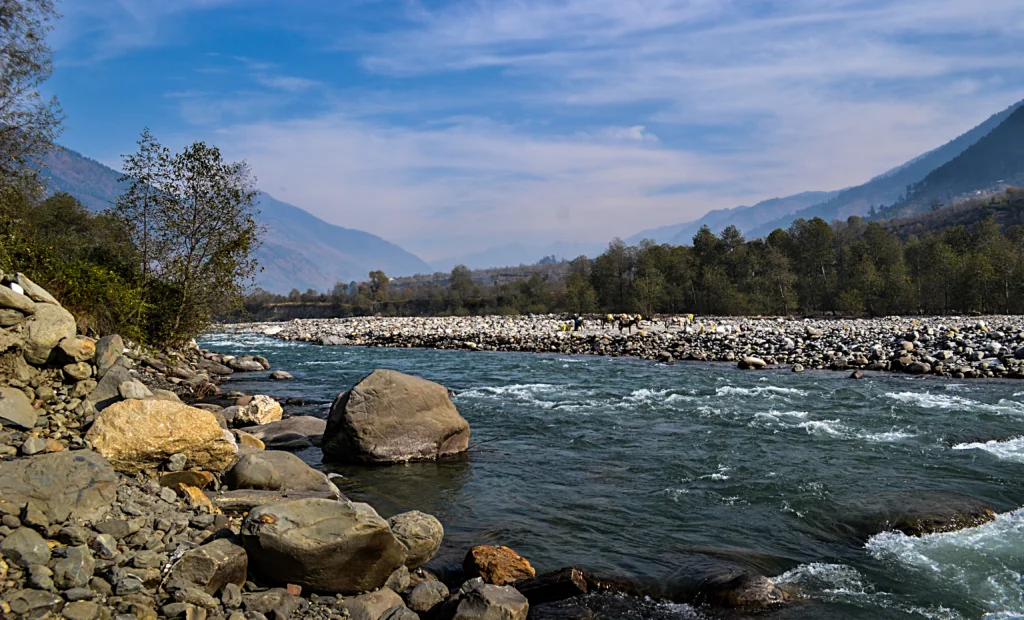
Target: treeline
{"points": [[813, 268]]}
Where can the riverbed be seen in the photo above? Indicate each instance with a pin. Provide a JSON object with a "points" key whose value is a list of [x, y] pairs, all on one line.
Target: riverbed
{"points": [[630, 467]]}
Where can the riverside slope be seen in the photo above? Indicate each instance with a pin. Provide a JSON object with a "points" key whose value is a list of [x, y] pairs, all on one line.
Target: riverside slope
{"points": [[958, 347]]}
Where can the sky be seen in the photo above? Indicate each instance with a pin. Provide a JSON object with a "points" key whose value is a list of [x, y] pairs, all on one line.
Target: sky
{"points": [[452, 126]]}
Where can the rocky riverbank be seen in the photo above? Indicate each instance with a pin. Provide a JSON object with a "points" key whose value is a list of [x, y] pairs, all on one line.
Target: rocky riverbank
{"points": [[960, 347]]}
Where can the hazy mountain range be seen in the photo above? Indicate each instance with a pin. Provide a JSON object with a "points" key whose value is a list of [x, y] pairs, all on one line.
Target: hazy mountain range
{"points": [[299, 250], [972, 171]]}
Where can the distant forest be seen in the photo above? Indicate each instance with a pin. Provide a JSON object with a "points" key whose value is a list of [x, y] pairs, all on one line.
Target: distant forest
{"points": [[961, 259]]}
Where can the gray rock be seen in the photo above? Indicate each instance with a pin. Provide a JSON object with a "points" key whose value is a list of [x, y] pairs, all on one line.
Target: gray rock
{"points": [[33, 445], [272, 470], [210, 567], [33, 291], [75, 570], [297, 432], [105, 545], [81, 610], [245, 364], [16, 408], [426, 595], [64, 485], [78, 371], [46, 328], [134, 390], [16, 301], [34, 603], [107, 391], [371, 606], [490, 602], [276, 603], [108, 350], [399, 580], [322, 545], [25, 547], [420, 533], [399, 613], [392, 417], [10, 318], [177, 462], [281, 375]]}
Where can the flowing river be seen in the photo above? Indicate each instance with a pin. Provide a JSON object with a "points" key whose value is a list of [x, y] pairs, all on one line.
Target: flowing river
{"points": [[635, 468]]}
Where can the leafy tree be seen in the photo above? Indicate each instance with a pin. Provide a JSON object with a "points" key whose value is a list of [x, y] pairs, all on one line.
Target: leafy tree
{"points": [[579, 294], [146, 200], [379, 284]]}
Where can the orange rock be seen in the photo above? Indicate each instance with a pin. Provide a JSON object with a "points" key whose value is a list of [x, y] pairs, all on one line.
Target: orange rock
{"points": [[196, 497], [497, 565], [198, 479], [294, 590], [52, 445]]}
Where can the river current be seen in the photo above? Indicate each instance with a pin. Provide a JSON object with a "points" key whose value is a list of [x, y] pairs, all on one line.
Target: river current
{"points": [[630, 467]]}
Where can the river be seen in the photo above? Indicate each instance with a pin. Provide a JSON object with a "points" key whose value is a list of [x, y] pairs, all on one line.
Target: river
{"points": [[636, 468]]}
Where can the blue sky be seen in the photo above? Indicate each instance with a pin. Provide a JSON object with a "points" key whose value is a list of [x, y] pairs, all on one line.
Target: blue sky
{"points": [[452, 126]]}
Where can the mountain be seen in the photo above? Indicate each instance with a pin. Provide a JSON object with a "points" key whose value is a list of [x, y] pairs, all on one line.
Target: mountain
{"points": [[887, 188], [517, 254], [743, 218], [299, 250], [890, 186]]}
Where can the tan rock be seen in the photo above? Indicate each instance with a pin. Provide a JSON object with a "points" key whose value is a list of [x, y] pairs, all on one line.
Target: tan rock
{"points": [[261, 409], [245, 439], [77, 349], [141, 434], [497, 565], [46, 328]]}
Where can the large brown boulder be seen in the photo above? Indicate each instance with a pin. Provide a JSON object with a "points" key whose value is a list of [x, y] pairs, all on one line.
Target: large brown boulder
{"points": [[392, 417], [322, 545], [142, 434]]}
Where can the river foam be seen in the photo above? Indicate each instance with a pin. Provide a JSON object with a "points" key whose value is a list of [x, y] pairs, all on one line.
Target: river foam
{"points": [[1010, 450]]}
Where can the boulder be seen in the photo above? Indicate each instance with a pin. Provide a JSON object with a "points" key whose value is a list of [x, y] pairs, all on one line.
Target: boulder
{"points": [[281, 375], [497, 565], [77, 349], [914, 513], [420, 533], [78, 372], [752, 363], [34, 291], [272, 470], [78, 485], [142, 434], [482, 601], [108, 389], [242, 501], [322, 545], [134, 390], [245, 363], [11, 300], [16, 408], [371, 606], [393, 417], [209, 567], [10, 318], [917, 368], [108, 350], [261, 409], [276, 603], [717, 583], [46, 328], [427, 595], [293, 433]]}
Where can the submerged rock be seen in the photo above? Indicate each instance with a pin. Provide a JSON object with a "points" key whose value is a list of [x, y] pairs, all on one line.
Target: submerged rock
{"points": [[393, 417], [915, 513]]}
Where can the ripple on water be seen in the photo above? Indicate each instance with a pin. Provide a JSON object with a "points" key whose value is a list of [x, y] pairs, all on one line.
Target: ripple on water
{"points": [[1009, 450]]}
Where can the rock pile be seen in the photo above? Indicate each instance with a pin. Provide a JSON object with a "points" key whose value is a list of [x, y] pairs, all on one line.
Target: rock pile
{"points": [[961, 347]]}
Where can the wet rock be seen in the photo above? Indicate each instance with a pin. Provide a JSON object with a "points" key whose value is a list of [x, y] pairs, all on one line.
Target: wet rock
{"points": [[371, 606], [497, 565], [322, 545], [274, 470], [142, 434], [46, 328], [16, 409], [917, 368], [482, 601], [427, 595], [392, 417], [261, 409], [77, 485], [420, 533], [210, 567], [915, 513], [281, 375]]}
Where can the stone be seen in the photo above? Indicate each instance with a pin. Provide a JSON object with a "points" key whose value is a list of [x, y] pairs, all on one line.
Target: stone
{"points": [[915, 513], [210, 567], [281, 375], [12, 300], [491, 602], [275, 603], [10, 318], [78, 484], [245, 439], [261, 409], [142, 434], [77, 349], [25, 547], [46, 328], [497, 565], [34, 603], [166, 395], [245, 363], [176, 462], [399, 580], [75, 570], [296, 432], [246, 500], [371, 606], [134, 390], [393, 417], [323, 545], [710, 581], [105, 545], [917, 368], [81, 610], [107, 390], [752, 363], [197, 479], [16, 408], [82, 389], [33, 445], [274, 470], [399, 612], [420, 533], [427, 595], [33, 291], [78, 371], [108, 350]]}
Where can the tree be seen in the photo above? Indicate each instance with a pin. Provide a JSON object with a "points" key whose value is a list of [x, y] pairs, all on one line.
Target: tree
{"points": [[379, 283], [29, 124], [145, 201], [579, 294]]}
